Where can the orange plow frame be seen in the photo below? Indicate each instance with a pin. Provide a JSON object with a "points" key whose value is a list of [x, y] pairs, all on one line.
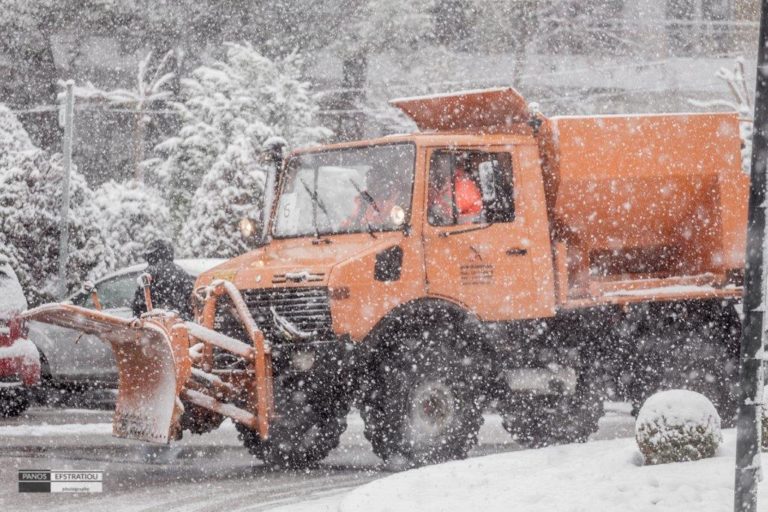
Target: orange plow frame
{"points": [[163, 361]]}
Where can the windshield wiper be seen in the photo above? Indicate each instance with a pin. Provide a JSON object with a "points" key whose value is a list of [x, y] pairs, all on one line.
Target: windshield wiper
{"points": [[368, 198], [318, 204], [365, 196]]}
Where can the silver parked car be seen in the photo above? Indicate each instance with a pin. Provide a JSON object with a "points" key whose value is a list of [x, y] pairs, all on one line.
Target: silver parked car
{"points": [[72, 361]]}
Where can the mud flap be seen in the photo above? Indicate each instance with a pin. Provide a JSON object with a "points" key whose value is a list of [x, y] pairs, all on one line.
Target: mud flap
{"points": [[152, 356]]}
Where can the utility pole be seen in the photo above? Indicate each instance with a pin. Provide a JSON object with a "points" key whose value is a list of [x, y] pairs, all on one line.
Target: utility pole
{"points": [[748, 433], [69, 109]]}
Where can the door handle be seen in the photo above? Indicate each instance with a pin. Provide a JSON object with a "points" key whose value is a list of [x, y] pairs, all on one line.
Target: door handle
{"points": [[517, 251]]}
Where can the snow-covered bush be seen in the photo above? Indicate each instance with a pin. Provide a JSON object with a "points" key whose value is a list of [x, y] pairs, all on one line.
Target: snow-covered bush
{"points": [[133, 214], [228, 110], [677, 426], [30, 196]]}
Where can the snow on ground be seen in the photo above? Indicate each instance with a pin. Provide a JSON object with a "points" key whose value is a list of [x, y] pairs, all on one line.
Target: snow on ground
{"points": [[598, 476], [69, 429], [55, 430]]}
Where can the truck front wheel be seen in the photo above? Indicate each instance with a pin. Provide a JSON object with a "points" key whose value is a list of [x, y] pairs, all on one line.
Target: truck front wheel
{"points": [[310, 408], [300, 437], [423, 401]]}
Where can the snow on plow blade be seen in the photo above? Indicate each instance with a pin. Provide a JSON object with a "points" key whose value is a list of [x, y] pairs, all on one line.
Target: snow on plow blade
{"points": [[152, 356]]}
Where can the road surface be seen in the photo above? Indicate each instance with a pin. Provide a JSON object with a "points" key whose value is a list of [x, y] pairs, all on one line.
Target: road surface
{"points": [[212, 472]]}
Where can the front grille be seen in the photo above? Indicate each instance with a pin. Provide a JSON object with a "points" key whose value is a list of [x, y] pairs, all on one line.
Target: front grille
{"points": [[307, 308], [298, 277]]}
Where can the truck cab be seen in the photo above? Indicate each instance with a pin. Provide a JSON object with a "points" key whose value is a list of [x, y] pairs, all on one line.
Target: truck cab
{"points": [[362, 229]]}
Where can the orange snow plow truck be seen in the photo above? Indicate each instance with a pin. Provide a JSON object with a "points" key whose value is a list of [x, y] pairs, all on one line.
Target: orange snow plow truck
{"points": [[495, 258]]}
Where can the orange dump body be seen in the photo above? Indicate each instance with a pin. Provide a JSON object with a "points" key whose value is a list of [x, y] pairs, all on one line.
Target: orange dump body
{"points": [[645, 197]]}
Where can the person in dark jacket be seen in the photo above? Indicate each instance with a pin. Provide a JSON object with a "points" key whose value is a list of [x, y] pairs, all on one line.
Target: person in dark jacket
{"points": [[170, 288]]}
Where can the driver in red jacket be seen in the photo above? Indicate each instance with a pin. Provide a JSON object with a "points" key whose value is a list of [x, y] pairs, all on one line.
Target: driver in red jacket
{"points": [[463, 194], [469, 199]]}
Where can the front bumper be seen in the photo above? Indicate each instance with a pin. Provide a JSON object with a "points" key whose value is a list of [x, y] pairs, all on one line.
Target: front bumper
{"points": [[323, 360]]}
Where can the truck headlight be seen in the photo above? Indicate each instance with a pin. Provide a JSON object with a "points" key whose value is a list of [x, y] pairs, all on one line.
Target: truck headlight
{"points": [[247, 227]]}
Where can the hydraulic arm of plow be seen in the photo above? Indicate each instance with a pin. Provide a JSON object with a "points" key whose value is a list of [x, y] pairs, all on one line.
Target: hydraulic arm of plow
{"points": [[164, 362]]}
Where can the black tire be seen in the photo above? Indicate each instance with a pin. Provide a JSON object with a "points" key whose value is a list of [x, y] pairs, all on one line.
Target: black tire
{"points": [[302, 436], [13, 401], [698, 351], [197, 420], [423, 398], [538, 421]]}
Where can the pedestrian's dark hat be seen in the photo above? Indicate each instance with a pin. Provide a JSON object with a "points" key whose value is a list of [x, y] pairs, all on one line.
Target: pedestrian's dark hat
{"points": [[158, 250]]}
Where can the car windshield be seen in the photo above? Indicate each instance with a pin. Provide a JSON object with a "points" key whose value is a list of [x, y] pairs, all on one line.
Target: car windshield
{"points": [[115, 292], [346, 191]]}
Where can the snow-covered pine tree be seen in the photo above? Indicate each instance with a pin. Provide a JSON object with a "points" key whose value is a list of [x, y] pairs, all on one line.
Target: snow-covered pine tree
{"points": [[184, 159], [231, 190], [229, 109], [30, 194], [133, 214], [13, 136]]}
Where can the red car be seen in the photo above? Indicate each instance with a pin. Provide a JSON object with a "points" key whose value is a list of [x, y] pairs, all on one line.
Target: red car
{"points": [[19, 359]]}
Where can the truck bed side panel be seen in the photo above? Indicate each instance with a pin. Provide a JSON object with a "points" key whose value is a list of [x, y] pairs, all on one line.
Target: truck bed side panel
{"points": [[646, 197]]}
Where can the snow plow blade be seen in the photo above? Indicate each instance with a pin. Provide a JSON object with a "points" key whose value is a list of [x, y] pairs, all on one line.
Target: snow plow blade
{"points": [[152, 356]]}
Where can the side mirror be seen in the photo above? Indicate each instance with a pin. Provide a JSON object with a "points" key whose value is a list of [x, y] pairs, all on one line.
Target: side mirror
{"points": [[89, 288], [487, 171], [274, 151]]}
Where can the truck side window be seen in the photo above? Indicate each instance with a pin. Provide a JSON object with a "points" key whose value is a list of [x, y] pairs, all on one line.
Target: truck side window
{"points": [[470, 187]]}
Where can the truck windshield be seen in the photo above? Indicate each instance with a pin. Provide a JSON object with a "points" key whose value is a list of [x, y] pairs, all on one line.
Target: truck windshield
{"points": [[348, 190]]}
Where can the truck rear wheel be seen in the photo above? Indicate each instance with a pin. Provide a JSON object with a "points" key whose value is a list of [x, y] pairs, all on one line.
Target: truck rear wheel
{"points": [[698, 350], [423, 402], [537, 421]]}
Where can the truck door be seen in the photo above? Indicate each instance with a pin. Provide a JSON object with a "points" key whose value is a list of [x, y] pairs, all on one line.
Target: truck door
{"points": [[478, 249]]}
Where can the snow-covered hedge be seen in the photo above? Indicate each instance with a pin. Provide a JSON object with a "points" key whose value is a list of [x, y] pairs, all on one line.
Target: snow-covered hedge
{"points": [[677, 426]]}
